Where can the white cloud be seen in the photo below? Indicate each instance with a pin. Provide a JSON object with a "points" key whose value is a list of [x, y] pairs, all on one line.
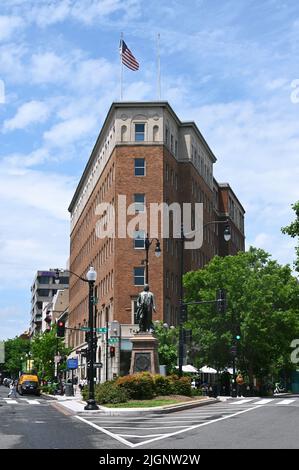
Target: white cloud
{"points": [[88, 12], [10, 25], [28, 113], [69, 131], [48, 67], [49, 192]]}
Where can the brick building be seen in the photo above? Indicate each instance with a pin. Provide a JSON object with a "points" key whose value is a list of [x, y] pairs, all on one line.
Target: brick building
{"points": [[147, 155]]}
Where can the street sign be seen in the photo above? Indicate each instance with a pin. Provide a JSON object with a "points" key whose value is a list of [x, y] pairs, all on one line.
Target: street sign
{"points": [[98, 330], [72, 363], [113, 340], [98, 364]]}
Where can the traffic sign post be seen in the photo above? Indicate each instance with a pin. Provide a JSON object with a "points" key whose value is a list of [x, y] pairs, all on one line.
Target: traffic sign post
{"points": [[113, 340], [98, 364]]}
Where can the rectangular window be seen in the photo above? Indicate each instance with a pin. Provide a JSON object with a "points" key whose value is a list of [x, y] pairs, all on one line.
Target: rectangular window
{"points": [[139, 200], [167, 172], [166, 135], [171, 143], [139, 276], [139, 132], [43, 292], [139, 239], [139, 167]]}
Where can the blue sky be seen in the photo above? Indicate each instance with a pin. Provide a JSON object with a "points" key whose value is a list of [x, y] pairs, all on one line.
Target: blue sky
{"points": [[228, 65]]}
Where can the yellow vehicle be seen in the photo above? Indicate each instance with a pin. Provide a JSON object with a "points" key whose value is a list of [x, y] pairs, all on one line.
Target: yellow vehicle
{"points": [[28, 383]]}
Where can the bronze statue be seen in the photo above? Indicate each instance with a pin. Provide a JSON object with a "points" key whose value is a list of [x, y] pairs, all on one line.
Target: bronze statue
{"points": [[145, 308]]}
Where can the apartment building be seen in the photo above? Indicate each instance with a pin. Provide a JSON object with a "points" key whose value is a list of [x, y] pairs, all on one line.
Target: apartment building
{"points": [[144, 155]]}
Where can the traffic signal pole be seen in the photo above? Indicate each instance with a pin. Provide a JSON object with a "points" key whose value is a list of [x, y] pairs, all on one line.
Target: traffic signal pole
{"points": [[181, 312], [91, 403]]}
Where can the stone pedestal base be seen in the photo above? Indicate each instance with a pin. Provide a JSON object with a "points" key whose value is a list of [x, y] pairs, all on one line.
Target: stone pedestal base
{"points": [[144, 356]]}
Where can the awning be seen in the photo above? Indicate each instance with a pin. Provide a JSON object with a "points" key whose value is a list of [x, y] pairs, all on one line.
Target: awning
{"points": [[189, 368], [207, 370]]}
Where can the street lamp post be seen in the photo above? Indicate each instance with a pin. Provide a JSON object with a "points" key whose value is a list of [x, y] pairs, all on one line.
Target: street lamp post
{"points": [[147, 244], [183, 306], [91, 277]]}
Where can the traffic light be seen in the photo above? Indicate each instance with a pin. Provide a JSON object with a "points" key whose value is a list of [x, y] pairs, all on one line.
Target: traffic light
{"points": [[112, 351], [187, 336], [233, 350], [221, 301], [61, 328], [87, 337], [183, 313], [238, 337]]}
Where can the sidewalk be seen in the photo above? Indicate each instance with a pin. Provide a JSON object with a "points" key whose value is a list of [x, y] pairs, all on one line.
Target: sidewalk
{"points": [[77, 406]]}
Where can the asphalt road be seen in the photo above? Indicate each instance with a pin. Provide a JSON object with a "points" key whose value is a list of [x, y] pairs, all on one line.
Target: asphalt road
{"points": [[35, 423]]}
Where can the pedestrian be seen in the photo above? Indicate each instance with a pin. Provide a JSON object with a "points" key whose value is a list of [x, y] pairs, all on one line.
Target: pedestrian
{"points": [[13, 389]]}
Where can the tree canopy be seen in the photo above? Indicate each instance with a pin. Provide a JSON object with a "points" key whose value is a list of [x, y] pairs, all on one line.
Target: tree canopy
{"points": [[15, 353], [293, 231], [262, 309], [45, 347]]}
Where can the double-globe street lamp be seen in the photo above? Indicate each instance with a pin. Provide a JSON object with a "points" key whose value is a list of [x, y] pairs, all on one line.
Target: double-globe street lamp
{"points": [[91, 277], [147, 244], [183, 306]]}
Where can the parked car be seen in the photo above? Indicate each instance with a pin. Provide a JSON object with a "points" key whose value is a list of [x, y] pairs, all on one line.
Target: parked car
{"points": [[28, 384]]}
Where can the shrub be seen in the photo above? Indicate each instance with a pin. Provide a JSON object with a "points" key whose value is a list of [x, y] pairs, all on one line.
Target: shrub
{"points": [[139, 386], [196, 392], [162, 385], [180, 386], [108, 392]]}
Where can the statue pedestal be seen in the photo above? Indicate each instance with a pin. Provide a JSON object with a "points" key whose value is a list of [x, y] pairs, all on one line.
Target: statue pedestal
{"points": [[144, 356]]}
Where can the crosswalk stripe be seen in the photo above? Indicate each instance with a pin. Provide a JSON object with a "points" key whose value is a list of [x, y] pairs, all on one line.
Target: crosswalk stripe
{"points": [[10, 400], [285, 402], [264, 401], [33, 402], [240, 402]]}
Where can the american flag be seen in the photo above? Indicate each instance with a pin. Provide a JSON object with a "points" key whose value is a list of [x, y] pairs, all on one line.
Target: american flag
{"points": [[127, 57]]}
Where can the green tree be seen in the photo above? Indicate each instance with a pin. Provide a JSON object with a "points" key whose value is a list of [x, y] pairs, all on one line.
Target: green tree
{"points": [[168, 345], [262, 309], [293, 231], [15, 354], [45, 347]]}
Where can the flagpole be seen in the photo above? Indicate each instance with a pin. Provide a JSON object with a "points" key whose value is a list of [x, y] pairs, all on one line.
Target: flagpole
{"points": [[121, 67], [158, 68]]}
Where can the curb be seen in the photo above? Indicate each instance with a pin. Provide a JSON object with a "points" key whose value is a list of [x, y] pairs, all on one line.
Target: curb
{"points": [[157, 409]]}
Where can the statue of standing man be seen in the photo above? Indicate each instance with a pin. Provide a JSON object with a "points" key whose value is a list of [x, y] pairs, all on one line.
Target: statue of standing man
{"points": [[145, 307]]}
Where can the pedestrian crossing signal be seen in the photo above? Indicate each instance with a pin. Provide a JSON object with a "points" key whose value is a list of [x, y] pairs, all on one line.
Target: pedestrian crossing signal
{"points": [[112, 351]]}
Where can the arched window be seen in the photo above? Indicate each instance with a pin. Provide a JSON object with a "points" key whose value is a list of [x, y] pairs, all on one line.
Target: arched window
{"points": [[123, 133], [155, 133]]}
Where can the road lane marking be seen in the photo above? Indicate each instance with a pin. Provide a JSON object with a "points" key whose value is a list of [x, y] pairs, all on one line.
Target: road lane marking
{"points": [[285, 402], [264, 401], [130, 427], [33, 402], [139, 437], [240, 402], [10, 400], [196, 426], [115, 436], [166, 435]]}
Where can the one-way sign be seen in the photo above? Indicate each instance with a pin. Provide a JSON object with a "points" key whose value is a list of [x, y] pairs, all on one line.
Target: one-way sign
{"points": [[97, 364]]}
